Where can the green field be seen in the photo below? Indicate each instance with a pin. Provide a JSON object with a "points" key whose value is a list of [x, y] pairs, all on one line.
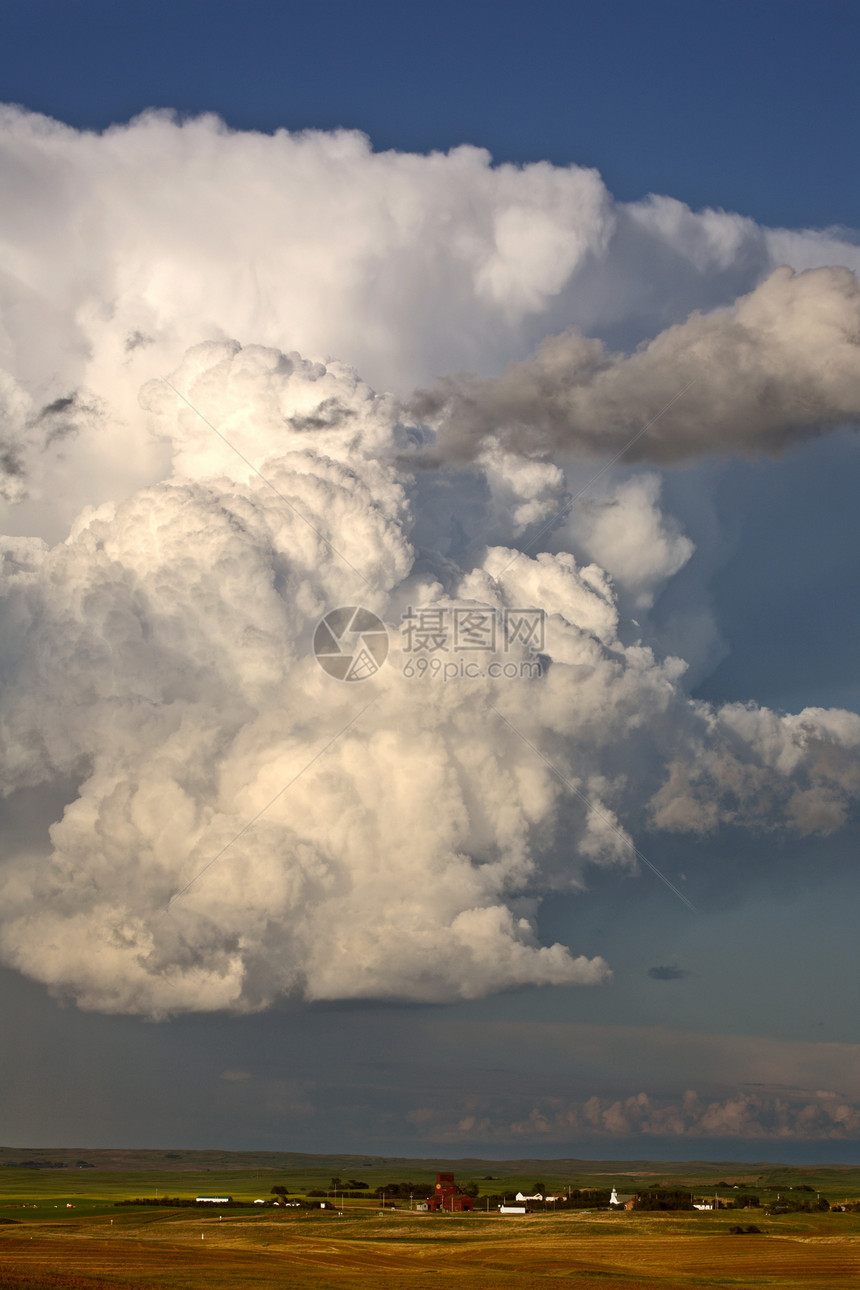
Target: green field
{"points": [[120, 1175]]}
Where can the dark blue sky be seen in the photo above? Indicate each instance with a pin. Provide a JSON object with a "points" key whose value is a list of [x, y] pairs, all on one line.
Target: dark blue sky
{"points": [[750, 105]]}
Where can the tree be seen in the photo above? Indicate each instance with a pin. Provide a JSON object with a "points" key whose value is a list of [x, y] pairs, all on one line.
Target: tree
{"points": [[663, 1198], [278, 1191], [538, 1187], [336, 1184]]}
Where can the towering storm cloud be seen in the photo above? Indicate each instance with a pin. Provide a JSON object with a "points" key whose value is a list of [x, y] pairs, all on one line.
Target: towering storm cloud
{"points": [[160, 660], [229, 822]]}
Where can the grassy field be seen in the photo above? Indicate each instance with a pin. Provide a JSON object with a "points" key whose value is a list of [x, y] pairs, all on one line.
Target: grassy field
{"points": [[321, 1251], [60, 1228], [247, 1175]]}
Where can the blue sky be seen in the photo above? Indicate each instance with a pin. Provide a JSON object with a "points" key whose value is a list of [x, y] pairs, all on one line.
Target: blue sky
{"points": [[742, 107], [748, 106]]}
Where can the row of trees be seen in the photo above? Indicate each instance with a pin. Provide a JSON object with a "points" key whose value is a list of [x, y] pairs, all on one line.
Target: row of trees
{"points": [[664, 1198], [654, 1199], [794, 1205], [354, 1189]]}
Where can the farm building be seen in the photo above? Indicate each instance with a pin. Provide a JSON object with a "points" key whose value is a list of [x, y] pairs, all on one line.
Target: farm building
{"points": [[447, 1196], [627, 1199]]}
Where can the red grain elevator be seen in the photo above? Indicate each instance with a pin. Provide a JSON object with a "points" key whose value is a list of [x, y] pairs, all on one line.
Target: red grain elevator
{"points": [[447, 1195]]}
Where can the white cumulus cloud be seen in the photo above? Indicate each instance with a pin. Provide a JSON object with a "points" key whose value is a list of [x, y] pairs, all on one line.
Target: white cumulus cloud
{"points": [[183, 507], [160, 658]]}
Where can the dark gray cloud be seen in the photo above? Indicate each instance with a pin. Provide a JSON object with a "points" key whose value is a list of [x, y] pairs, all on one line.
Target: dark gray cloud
{"points": [[28, 435], [667, 972], [58, 405], [780, 365]]}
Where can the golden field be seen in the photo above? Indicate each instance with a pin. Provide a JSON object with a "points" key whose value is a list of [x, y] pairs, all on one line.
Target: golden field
{"points": [[320, 1250]]}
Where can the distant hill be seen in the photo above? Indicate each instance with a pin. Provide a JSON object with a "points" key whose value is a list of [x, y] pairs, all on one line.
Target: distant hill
{"points": [[179, 1160]]}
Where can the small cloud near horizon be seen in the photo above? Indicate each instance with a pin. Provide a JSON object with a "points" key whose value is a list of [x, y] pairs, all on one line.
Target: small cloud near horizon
{"points": [[668, 972]]}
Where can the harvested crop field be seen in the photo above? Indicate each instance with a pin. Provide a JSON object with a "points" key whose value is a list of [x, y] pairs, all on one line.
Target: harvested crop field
{"points": [[328, 1252]]}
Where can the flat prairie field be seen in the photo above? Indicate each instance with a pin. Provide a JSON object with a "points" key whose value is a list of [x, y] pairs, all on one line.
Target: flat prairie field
{"points": [[320, 1250]]}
